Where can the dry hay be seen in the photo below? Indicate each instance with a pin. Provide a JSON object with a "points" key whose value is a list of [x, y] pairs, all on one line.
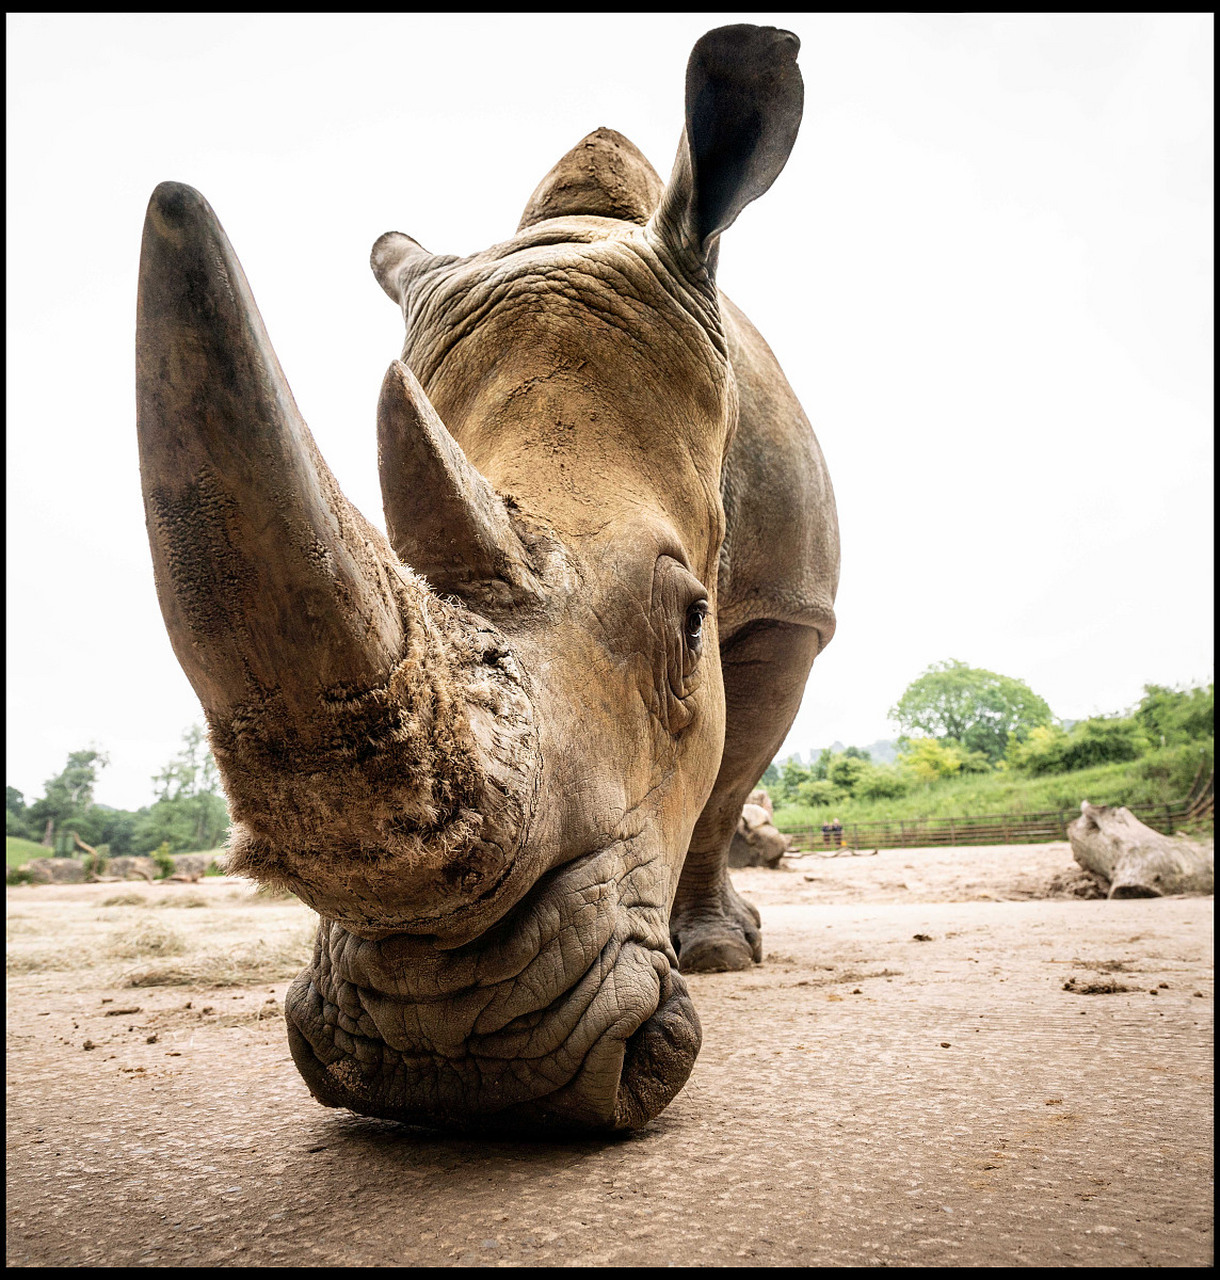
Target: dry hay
{"points": [[49, 961], [127, 900], [149, 939], [241, 966]]}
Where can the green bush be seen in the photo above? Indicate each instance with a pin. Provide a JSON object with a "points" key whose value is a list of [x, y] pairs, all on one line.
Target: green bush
{"points": [[1049, 749], [1160, 778], [930, 760], [95, 864], [18, 875], [165, 864], [816, 792], [883, 782], [1177, 768]]}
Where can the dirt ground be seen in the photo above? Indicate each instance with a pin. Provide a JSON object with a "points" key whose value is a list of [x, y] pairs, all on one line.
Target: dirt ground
{"points": [[904, 1081]]}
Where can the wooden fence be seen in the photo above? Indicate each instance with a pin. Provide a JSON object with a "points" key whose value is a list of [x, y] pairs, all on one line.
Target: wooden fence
{"points": [[994, 828]]}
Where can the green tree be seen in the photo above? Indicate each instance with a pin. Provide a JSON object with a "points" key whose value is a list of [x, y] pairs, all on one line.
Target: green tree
{"points": [[16, 815], [792, 775], [845, 772], [115, 827], [978, 709], [68, 800], [190, 810], [1173, 716]]}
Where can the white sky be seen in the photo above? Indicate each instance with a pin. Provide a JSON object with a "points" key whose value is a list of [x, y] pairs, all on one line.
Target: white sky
{"points": [[986, 270]]}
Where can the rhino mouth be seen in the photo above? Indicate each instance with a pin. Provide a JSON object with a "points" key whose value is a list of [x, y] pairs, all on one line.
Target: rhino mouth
{"points": [[568, 1015]]}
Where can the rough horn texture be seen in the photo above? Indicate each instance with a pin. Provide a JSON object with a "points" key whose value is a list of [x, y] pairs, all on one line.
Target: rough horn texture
{"points": [[1134, 860], [604, 175], [443, 518], [338, 691], [267, 577]]}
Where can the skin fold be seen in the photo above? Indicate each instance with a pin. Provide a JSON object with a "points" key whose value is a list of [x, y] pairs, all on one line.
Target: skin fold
{"points": [[503, 753]]}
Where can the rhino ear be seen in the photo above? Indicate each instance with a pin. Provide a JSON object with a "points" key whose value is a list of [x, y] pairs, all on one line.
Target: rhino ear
{"points": [[744, 98], [397, 260]]}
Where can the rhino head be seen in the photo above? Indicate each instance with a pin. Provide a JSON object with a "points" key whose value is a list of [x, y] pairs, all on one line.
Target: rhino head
{"points": [[478, 749]]}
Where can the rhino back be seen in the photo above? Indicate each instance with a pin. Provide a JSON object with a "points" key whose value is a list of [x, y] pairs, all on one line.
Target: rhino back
{"points": [[780, 558]]}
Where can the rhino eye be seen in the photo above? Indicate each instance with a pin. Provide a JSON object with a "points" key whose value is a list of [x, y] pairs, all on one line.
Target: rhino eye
{"points": [[679, 624], [694, 625]]}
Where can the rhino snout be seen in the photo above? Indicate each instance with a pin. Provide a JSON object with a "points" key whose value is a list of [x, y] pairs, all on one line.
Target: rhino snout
{"points": [[572, 1015]]}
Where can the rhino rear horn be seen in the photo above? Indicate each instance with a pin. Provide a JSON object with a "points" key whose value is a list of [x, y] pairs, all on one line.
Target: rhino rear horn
{"points": [[269, 580], [443, 517], [744, 100]]}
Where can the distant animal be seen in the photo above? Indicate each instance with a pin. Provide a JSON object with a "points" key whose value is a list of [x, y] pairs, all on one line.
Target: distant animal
{"points": [[503, 753], [757, 842]]}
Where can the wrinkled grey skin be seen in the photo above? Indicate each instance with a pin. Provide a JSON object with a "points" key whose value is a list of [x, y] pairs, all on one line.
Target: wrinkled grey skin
{"points": [[504, 756]]}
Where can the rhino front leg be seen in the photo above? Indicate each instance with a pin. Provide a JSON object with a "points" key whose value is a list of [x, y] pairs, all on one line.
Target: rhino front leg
{"points": [[765, 664]]}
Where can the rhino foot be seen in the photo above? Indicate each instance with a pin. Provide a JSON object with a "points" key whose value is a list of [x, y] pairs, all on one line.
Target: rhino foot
{"points": [[717, 933]]}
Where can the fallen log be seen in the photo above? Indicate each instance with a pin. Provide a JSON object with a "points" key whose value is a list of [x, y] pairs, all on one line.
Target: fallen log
{"points": [[94, 862], [1133, 860]]}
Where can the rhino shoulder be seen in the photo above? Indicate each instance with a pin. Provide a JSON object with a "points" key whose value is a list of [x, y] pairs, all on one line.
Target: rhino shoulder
{"points": [[780, 558]]}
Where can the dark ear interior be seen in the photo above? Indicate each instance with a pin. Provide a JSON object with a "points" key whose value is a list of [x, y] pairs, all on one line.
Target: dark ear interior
{"points": [[744, 99]]}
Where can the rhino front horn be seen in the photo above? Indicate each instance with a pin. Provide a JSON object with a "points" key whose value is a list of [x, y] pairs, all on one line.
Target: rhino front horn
{"points": [[269, 580], [374, 764]]}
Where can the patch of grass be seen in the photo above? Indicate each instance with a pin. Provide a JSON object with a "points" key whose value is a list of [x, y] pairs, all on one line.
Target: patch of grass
{"points": [[247, 964], [1126, 783], [150, 939], [18, 851]]}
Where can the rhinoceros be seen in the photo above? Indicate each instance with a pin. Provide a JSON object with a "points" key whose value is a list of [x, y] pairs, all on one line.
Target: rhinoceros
{"points": [[502, 753]]}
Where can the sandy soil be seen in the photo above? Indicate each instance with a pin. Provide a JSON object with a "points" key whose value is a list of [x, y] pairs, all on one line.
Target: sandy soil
{"points": [[905, 1081]]}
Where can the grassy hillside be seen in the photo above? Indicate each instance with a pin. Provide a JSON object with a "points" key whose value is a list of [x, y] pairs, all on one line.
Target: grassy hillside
{"points": [[19, 851], [1151, 780]]}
